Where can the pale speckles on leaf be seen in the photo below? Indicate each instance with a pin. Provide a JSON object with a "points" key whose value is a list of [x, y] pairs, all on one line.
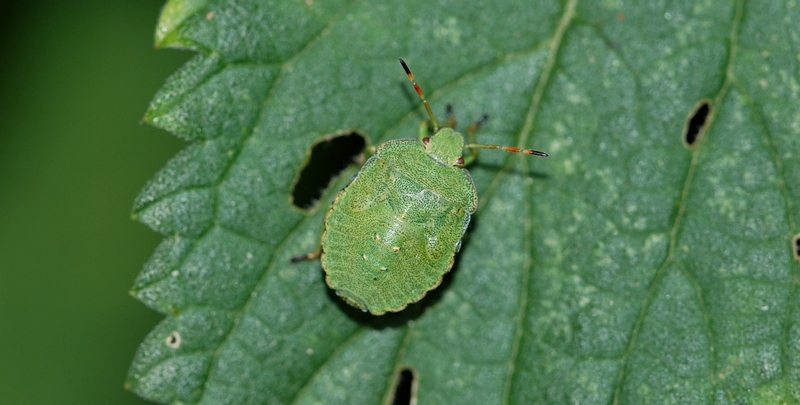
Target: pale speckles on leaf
{"points": [[574, 95], [602, 208], [655, 242], [448, 31], [560, 129], [569, 167], [577, 215], [557, 143]]}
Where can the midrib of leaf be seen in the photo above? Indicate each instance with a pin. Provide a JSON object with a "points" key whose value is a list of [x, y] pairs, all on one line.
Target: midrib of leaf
{"points": [[527, 127], [399, 357], [279, 248], [688, 179], [388, 134]]}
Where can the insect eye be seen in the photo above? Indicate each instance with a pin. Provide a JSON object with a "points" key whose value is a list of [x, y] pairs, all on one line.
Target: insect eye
{"points": [[426, 141], [460, 161]]}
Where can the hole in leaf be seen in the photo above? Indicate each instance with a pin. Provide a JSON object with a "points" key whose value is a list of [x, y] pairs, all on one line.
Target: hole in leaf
{"points": [[173, 340], [697, 123], [796, 246], [327, 159], [405, 392]]}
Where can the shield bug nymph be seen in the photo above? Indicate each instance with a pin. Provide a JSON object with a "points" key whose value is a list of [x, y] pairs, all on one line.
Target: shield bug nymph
{"points": [[393, 232]]}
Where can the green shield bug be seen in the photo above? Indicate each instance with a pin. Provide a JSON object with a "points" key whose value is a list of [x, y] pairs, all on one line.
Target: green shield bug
{"points": [[393, 232]]}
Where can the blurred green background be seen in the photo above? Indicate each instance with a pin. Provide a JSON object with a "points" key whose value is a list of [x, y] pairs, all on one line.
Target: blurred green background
{"points": [[76, 79]]}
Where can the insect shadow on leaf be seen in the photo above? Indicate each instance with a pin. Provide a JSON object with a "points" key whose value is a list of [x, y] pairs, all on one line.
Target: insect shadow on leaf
{"points": [[327, 158], [697, 123], [796, 246]]}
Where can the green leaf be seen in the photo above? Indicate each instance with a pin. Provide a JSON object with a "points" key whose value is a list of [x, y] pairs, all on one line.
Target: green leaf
{"points": [[628, 268]]}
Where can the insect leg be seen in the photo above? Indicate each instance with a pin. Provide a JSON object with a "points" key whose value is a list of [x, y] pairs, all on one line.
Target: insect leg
{"points": [[307, 256], [470, 132], [451, 119]]}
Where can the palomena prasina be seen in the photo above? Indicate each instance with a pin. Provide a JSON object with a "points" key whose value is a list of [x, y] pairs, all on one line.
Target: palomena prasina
{"points": [[393, 232]]}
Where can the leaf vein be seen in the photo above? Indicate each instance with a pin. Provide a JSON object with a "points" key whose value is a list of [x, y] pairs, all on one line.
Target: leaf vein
{"points": [[265, 103]]}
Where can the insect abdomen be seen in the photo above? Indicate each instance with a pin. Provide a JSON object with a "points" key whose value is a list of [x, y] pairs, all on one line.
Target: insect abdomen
{"points": [[389, 240]]}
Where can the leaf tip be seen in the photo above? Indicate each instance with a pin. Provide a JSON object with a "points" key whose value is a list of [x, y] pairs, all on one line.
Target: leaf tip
{"points": [[174, 13]]}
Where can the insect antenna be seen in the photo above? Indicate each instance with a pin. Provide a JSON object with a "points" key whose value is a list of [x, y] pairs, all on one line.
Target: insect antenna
{"points": [[421, 95], [511, 149]]}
